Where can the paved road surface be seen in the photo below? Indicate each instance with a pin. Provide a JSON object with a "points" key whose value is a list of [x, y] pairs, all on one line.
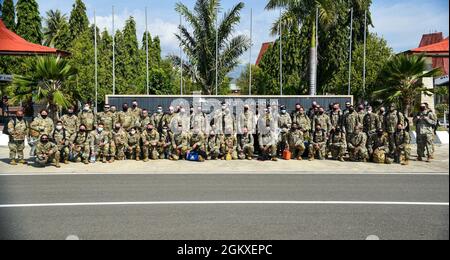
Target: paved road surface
{"points": [[312, 212]]}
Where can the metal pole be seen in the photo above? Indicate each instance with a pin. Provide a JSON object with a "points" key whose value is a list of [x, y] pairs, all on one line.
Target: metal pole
{"points": [[281, 54], [95, 57], [217, 52], [365, 50], [114, 53], [146, 48], [317, 49], [350, 54], [181, 60], [250, 56]]}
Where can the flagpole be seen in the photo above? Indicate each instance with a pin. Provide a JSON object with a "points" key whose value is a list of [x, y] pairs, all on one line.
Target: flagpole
{"points": [[281, 54], [95, 57], [365, 51], [250, 56], [146, 49], [181, 60], [114, 53], [217, 52], [350, 54]]}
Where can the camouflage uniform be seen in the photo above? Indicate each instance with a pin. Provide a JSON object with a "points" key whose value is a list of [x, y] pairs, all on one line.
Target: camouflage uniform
{"points": [[18, 130], [126, 120], [337, 145], [165, 144], [150, 142], [88, 119], [119, 144], [199, 121], [336, 119], [229, 146], [296, 142], [361, 115], [108, 119], [166, 120], [47, 153], [156, 120], [135, 113], [182, 145], [198, 141], [247, 120], [378, 147], [425, 133], [402, 147], [62, 141], [349, 123], [391, 120], [268, 147], [80, 147], [71, 124], [318, 144], [324, 121], [134, 147], [44, 126], [213, 147], [100, 144], [303, 122], [246, 146], [357, 147], [371, 124], [143, 122], [284, 123], [34, 137]]}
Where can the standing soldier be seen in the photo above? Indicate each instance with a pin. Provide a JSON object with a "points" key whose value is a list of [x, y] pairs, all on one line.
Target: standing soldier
{"points": [[62, 140], [157, 118], [350, 122], [100, 141], [246, 145], [181, 144], [381, 114], [361, 114], [402, 145], [371, 123], [425, 125], [247, 120], [150, 140], [135, 110], [44, 123], [337, 144], [198, 145], [433, 117], [284, 124], [70, 122], [318, 143], [213, 148], [145, 119], [198, 120], [87, 118], [119, 143], [378, 147], [296, 142], [391, 120], [126, 118], [18, 130], [322, 119], [302, 120], [134, 148], [336, 116], [47, 152], [166, 143], [166, 120], [80, 145], [347, 108], [357, 146], [34, 135], [107, 118]]}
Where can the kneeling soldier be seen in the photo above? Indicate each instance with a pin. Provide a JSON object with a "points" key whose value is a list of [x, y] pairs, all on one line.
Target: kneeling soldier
{"points": [[100, 140], [197, 144], [60, 138], [268, 145], [119, 143], [150, 140], [229, 146], [134, 147], [337, 144], [296, 142], [378, 147], [180, 145], [357, 145], [80, 145], [213, 146], [246, 145], [402, 145], [165, 143], [47, 152], [318, 143]]}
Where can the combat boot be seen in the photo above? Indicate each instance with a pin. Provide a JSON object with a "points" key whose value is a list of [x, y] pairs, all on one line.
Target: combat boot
{"points": [[419, 159], [406, 162], [428, 159], [57, 165], [66, 161], [146, 159], [341, 159], [112, 159], [201, 159], [137, 158], [22, 161], [86, 161], [103, 159], [13, 162], [311, 159], [274, 159]]}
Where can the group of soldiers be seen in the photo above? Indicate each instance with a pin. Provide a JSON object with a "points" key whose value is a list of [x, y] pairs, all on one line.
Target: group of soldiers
{"points": [[359, 134]]}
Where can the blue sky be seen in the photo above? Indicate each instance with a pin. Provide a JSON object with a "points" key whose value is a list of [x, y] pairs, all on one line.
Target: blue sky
{"points": [[400, 22]]}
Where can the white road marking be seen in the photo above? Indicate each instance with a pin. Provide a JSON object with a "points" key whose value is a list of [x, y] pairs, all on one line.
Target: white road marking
{"points": [[146, 203], [372, 237], [72, 237], [227, 173]]}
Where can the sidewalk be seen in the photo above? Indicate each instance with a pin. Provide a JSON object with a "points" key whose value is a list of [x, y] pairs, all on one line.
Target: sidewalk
{"points": [[439, 166]]}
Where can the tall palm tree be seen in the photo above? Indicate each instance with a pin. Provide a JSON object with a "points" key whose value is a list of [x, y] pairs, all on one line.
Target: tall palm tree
{"points": [[54, 25], [47, 84], [401, 80], [299, 12], [200, 44]]}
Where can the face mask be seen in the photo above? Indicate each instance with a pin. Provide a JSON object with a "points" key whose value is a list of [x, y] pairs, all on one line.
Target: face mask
{"points": [[224, 107], [70, 112], [133, 132], [423, 109], [351, 110], [100, 129], [149, 129], [283, 111], [44, 116], [82, 130], [106, 109], [44, 141], [117, 128], [113, 110], [59, 127], [86, 109], [20, 118], [321, 112], [125, 109], [135, 105], [159, 110]]}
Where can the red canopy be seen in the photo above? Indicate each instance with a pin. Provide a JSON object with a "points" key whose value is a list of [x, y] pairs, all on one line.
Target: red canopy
{"points": [[13, 44]]}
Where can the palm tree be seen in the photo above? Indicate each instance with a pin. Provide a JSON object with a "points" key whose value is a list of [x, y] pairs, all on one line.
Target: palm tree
{"points": [[299, 12], [47, 84], [200, 44], [54, 26], [401, 80]]}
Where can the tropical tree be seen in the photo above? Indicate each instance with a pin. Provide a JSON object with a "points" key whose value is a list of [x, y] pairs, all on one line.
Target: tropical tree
{"points": [[47, 84], [200, 44], [29, 21], [401, 80], [78, 22], [9, 14], [56, 31]]}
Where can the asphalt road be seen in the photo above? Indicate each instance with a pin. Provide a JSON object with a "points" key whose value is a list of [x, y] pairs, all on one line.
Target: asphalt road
{"points": [[251, 207]]}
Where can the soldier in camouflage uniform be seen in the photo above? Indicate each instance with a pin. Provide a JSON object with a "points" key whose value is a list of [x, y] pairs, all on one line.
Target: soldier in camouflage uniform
{"points": [[433, 117], [157, 118], [371, 123], [302, 120], [296, 142], [361, 114], [135, 111], [34, 135], [247, 120], [323, 119], [199, 120], [70, 122], [87, 117], [119, 143], [44, 123], [391, 119], [267, 144], [402, 145], [150, 141], [62, 140], [357, 145], [246, 145], [229, 145], [197, 143], [107, 118], [284, 124], [223, 120], [18, 130], [100, 143], [318, 143], [80, 145], [166, 142], [337, 144], [167, 118], [336, 116], [47, 152], [181, 144], [378, 147], [144, 120], [126, 118], [425, 125], [134, 147], [350, 122], [213, 146]]}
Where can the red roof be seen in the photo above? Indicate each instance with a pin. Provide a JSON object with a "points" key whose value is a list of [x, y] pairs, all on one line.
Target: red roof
{"points": [[265, 46], [431, 38], [440, 47], [13, 44]]}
